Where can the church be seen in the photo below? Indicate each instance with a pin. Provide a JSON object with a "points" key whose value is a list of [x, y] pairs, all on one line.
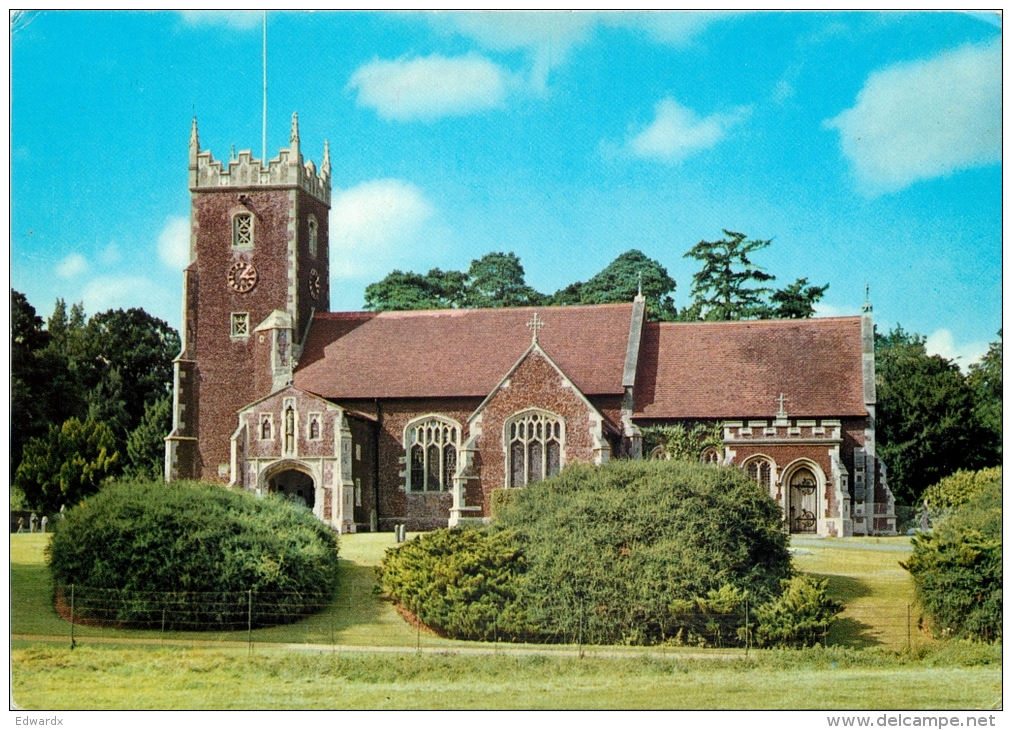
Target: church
{"points": [[373, 419]]}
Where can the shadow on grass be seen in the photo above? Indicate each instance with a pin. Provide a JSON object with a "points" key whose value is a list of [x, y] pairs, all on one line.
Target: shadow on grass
{"points": [[848, 630]]}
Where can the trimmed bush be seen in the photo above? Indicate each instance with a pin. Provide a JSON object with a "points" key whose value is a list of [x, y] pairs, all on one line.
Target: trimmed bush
{"points": [[957, 569], [199, 547], [632, 552], [462, 581]]}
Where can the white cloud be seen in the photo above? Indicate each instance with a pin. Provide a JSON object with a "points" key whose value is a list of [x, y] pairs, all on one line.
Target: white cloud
{"points": [[941, 342], [831, 310], [124, 292], [174, 242], [232, 19], [373, 223], [677, 133], [431, 87], [550, 37], [71, 266], [925, 119]]}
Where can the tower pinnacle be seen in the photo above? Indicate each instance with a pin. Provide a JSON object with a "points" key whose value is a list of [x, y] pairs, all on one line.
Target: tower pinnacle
{"points": [[294, 141], [325, 166]]}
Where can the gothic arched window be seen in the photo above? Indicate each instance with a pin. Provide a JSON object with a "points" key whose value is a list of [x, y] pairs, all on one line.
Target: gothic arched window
{"points": [[760, 470], [536, 441], [432, 446], [710, 455]]}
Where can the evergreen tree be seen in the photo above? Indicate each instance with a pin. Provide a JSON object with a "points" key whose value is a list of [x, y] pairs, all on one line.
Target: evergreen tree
{"points": [[796, 301], [985, 380], [145, 446], [926, 424], [70, 463]]}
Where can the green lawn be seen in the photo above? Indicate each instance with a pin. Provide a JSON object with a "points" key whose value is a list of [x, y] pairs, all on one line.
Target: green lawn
{"points": [[865, 574], [134, 678], [863, 670]]}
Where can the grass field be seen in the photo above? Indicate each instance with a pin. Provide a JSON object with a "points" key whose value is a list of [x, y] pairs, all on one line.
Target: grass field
{"points": [[866, 665]]}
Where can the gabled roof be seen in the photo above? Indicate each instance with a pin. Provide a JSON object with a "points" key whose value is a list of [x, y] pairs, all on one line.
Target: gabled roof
{"points": [[458, 352], [712, 370]]}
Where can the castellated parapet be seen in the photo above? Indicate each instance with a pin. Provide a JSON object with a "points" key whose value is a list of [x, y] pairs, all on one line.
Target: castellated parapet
{"points": [[286, 170]]}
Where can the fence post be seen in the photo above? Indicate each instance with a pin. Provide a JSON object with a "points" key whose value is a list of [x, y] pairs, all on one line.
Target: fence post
{"points": [[582, 617], [72, 642], [418, 635], [249, 620], [746, 629], [908, 627], [164, 609]]}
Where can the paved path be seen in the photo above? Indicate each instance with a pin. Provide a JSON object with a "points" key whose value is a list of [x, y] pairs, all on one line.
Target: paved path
{"points": [[484, 650], [810, 542]]}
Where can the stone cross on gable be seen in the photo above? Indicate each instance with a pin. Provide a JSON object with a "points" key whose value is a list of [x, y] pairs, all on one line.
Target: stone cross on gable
{"points": [[534, 325], [782, 413]]}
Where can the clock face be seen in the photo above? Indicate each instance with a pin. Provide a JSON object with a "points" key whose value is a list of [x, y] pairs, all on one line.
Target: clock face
{"points": [[242, 276], [314, 284]]}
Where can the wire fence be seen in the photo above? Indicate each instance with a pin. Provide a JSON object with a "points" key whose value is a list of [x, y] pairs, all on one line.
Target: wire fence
{"points": [[253, 617]]}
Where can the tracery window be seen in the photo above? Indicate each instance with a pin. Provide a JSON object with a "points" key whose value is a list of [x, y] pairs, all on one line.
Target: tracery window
{"points": [[760, 470], [242, 230], [240, 324], [535, 447], [432, 454], [710, 456]]}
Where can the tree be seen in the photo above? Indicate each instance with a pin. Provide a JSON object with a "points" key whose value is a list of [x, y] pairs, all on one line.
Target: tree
{"points": [[66, 466], [401, 290], [621, 280], [796, 301], [985, 381], [44, 388], [723, 289], [145, 446], [497, 280], [136, 345], [927, 427]]}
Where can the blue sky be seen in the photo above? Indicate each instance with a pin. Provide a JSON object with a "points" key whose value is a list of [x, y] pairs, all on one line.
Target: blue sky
{"points": [[866, 145]]}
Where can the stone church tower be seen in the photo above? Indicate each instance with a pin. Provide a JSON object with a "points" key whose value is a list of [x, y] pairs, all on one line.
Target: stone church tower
{"points": [[259, 270]]}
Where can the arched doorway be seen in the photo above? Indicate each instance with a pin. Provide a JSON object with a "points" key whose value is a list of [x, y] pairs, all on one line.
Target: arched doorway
{"points": [[293, 485], [804, 501]]}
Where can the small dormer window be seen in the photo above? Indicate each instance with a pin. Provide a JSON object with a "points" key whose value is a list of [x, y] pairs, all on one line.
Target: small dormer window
{"points": [[242, 230], [314, 234]]}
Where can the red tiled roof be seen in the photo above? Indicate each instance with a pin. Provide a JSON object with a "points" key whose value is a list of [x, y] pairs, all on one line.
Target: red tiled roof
{"points": [[458, 352], [738, 369]]}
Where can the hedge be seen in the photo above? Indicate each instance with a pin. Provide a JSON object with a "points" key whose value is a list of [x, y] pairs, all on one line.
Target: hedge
{"points": [[150, 541]]}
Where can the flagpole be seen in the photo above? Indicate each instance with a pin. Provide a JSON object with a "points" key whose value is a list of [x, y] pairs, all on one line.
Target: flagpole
{"points": [[263, 152]]}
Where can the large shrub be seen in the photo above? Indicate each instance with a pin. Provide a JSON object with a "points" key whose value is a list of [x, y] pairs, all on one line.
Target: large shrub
{"points": [[632, 552], [462, 581], [195, 548], [957, 569], [958, 489], [609, 550]]}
